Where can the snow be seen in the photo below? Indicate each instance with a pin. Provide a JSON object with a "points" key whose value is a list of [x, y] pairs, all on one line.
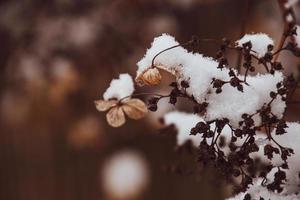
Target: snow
{"points": [[167, 60], [125, 175], [183, 123], [259, 41], [232, 103], [290, 139], [256, 191], [119, 88], [199, 71]]}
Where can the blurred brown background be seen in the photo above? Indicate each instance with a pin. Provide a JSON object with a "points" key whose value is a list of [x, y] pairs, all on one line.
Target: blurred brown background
{"points": [[58, 56]]}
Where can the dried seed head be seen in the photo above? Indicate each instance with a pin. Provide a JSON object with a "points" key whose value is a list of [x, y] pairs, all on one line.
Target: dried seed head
{"points": [[133, 108]]}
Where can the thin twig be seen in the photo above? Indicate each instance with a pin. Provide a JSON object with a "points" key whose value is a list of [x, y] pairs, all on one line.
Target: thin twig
{"points": [[242, 33]]}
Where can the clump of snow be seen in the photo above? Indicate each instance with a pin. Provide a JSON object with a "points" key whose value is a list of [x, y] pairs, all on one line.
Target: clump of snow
{"points": [[193, 67], [199, 72], [125, 175], [259, 41], [257, 191], [269, 82], [232, 103], [168, 60], [119, 88]]}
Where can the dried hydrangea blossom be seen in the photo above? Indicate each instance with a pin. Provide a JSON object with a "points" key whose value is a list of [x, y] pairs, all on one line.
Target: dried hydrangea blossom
{"points": [[150, 76], [118, 102]]}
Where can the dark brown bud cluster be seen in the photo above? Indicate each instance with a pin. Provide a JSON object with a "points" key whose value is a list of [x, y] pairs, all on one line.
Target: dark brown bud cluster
{"points": [[238, 162], [279, 178], [220, 56]]}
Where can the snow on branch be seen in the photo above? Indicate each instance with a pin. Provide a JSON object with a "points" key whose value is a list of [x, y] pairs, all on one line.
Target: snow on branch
{"points": [[199, 71], [260, 43]]}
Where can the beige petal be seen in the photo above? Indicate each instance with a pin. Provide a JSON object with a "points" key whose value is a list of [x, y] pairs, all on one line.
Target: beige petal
{"points": [[103, 105], [115, 117], [135, 108], [151, 77]]}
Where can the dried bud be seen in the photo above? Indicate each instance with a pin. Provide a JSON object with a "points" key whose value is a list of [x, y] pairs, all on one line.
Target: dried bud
{"points": [[217, 83], [150, 77]]}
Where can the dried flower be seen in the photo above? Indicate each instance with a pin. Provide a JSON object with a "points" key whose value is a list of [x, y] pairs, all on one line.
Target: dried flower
{"points": [[151, 76], [133, 108]]}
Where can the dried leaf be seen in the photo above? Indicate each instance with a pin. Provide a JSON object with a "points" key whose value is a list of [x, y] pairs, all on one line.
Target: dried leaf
{"points": [[135, 108], [103, 105], [115, 117]]}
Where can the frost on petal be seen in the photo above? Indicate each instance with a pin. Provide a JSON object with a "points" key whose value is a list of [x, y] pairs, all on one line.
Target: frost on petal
{"points": [[115, 117], [103, 105], [259, 41], [257, 191], [125, 175], [119, 88], [135, 108]]}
